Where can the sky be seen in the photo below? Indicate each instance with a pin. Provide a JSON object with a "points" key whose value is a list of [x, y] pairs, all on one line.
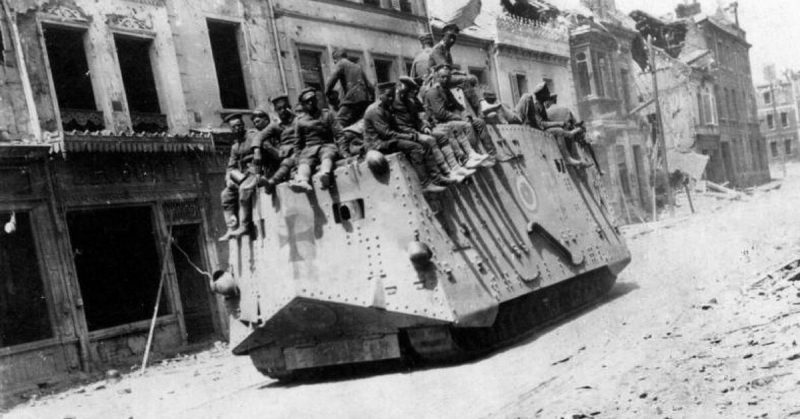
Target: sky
{"points": [[770, 26]]}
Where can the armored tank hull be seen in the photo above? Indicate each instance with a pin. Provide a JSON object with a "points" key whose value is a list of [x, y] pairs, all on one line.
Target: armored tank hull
{"points": [[373, 270]]}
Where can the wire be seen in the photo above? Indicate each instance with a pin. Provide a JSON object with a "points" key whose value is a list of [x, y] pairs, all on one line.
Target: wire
{"points": [[189, 260]]}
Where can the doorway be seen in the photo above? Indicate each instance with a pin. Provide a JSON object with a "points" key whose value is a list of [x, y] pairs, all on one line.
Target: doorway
{"points": [[193, 286], [727, 159], [642, 177]]}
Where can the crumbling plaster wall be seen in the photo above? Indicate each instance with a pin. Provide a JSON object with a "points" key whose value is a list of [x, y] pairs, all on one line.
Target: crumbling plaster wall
{"points": [[13, 111], [101, 21], [199, 79]]}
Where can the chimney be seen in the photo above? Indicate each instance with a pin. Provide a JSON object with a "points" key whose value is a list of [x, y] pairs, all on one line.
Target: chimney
{"points": [[687, 9]]}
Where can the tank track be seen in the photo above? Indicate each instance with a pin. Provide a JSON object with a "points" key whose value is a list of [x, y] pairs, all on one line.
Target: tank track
{"points": [[516, 319]]}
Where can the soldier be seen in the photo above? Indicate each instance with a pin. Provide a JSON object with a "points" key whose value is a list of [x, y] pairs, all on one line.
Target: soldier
{"points": [[494, 112], [280, 143], [241, 179], [420, 68], [563, 114], [440, 53], [382, 133], [443, 108], [357, 91], [318, 134], [407, 108]]}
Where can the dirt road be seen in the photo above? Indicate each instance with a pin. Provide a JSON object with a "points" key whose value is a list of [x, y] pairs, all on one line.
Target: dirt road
{"points": [[693, 328]]}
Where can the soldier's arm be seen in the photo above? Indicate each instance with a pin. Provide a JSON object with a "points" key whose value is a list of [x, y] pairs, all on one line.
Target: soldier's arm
{"points": [[438, 107], [333, 79]]}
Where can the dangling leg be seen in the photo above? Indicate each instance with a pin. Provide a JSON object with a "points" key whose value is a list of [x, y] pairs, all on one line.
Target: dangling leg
{"points": [[230, 196]]}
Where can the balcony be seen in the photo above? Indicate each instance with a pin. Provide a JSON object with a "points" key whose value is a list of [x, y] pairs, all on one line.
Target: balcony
{"points": [[82, 120], [149, 122]]}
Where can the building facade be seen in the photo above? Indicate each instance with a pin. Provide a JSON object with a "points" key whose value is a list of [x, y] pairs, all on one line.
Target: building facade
{"points": [[706, 62], [604, 74], [778, 117]]}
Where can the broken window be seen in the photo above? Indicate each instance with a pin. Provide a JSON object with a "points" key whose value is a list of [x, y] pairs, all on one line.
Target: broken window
{"points": [[224, 39], [784, 119], [405, 6], [384, 69], [521, 83], [584, 84], [773, 147], [71, 78], [140, 84], [23, 303], [787, 146], [480, 74], [767, 98], [408, 63], [311, 71], [770, 121], [117, 263], [600, 72]]}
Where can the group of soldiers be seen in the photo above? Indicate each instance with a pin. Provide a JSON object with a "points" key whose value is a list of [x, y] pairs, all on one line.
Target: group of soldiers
{"points": [[445, 139]]}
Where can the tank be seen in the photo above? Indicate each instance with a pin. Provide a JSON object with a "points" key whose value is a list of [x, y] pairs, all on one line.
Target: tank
{"points": [[373, 270]]}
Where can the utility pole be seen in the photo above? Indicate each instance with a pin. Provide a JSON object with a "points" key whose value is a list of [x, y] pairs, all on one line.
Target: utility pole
{"points": [[662, 145], [775, 122]]}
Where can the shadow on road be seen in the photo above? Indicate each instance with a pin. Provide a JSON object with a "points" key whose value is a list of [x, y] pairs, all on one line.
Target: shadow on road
{"points": [[410, 364]]}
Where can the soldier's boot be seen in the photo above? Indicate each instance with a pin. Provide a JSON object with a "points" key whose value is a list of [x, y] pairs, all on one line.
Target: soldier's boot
{"points": [[245, 220], [300, 181], [277, 177], [232, 222], [474, 159], [326, 178], [425, 178], [452, 162], [438, 165]]}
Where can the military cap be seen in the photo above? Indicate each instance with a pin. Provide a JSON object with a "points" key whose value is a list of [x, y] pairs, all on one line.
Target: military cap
{"points": [[259, 111], [489, 95], [441, 66], [305, 93], [408, 81], [339, 53], [426, 37], [541, 91], [230, 117], [279, 98], [450, 27], [386, 85]]}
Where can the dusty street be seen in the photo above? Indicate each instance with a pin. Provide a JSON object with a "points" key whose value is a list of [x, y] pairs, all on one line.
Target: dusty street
{"points": [[694, 328]]}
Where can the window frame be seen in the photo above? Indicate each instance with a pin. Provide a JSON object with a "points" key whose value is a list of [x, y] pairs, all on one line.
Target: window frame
{"points": [[243, 58]]}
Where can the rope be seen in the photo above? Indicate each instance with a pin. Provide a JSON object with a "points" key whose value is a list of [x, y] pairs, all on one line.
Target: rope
{"points": [[189, 259]]}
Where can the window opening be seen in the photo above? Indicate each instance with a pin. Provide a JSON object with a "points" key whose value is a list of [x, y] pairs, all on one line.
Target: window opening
{"points": [[384, 70], [224, 39], [311, 71]]}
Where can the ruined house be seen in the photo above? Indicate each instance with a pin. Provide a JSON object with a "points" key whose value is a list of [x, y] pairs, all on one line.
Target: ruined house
{"points": [[778, 115], [111, 146], [601, 39], [705, 89]]}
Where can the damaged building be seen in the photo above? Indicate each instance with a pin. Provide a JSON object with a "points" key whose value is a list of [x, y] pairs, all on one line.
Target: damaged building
{"points": [[705, 90], [110, 147], [601, 39], [778, 113]]}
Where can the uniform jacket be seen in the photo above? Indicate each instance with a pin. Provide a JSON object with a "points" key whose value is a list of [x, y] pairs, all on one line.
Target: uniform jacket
{"points": [[421, 64], [441, 105], [281, 136], [356, 88], [531, 112], [380, 128], [322, 128], [241, 155], [440, 54], [406, 112]]}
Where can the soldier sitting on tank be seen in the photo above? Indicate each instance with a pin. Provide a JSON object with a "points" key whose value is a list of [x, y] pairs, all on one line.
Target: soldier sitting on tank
{"points": [[563, 114], [440, 54], [381, 133], [495, 112], [444, 110], [356, 88], [318, 134], [532, 110], [241, 178], [353, 140], [279, 144], [420, 67], [407, 109]]}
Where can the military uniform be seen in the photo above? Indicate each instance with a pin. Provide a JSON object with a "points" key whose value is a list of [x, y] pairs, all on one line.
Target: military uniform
{"points": [[356, 89], [318, 137], [241, 181], [443, 108], [280, 148]]}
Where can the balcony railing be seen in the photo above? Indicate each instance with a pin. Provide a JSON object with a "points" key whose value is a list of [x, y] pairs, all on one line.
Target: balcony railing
{"points": [[82, 120], [148, 122]]}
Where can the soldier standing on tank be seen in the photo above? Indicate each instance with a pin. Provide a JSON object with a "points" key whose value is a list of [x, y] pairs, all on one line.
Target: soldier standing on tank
{"points": [[407, 109], [357, 91], [241, 178], [443, 108], [318, 134], [381, 133], [440, 54], [280, 143]]}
